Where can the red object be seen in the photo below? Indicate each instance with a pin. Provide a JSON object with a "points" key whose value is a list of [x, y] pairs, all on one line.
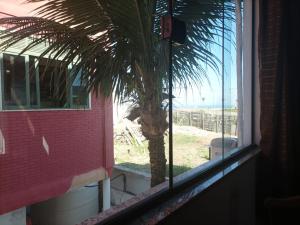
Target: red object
{"points": [[166, 27], [78, 141], [173, 28]]}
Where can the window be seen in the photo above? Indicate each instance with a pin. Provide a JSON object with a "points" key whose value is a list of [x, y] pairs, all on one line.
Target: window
{"points": [[53, 85], [79, 96], [32, 84], [14, 80], [211, 110], [155, 140], [208, 114]]}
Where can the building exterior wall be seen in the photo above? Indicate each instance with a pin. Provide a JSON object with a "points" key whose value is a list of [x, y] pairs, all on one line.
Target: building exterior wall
{"points": [[45, 153]]}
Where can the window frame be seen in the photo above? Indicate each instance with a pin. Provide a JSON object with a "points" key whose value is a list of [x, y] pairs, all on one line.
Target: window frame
{"points": [[29, 106], [207, 171]]}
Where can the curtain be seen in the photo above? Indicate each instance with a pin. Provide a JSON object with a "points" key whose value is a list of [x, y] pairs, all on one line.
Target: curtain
{"points": [[279, 74]]}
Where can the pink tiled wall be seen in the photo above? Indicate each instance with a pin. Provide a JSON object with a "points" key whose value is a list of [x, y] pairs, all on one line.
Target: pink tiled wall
{"points": [[44, 150]]}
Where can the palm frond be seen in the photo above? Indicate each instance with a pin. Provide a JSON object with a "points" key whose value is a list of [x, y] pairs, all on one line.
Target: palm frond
{"points": [[116, 43]]}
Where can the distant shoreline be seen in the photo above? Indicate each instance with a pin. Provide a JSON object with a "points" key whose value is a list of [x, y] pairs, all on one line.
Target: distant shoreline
{"points": [[205, 107]]}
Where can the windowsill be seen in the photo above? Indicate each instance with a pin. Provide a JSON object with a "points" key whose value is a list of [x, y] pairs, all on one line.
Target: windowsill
{"points": [[157, 203]]}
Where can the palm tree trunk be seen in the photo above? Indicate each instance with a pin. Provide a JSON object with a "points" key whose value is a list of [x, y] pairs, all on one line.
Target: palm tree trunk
{"points": [[153, 121], [157, 159]]}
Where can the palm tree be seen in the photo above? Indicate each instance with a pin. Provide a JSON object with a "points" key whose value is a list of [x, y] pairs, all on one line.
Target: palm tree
{"points": [[117, 45]]}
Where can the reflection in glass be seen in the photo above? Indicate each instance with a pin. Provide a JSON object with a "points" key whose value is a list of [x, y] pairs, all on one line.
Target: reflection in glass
{"points": [[53, 86], [79, 94], [14, 81]]}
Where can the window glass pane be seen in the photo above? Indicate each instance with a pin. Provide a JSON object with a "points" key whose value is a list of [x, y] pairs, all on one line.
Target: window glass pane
{"points": [[14, 81], [33, 82], [206, 110], [53, 85], [197, 69], [197, 119], [141, 143], [80, 96]]}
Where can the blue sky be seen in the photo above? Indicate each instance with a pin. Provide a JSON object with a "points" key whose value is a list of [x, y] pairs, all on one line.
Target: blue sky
{"points": [[210, 95]]}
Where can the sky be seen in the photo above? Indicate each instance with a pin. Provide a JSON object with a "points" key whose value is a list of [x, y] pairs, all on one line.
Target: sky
{"points": [[209, 95]]}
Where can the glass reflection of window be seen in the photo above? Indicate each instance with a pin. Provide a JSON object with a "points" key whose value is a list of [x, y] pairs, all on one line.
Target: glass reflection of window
{"points": [[79, 96], [32, 84]]}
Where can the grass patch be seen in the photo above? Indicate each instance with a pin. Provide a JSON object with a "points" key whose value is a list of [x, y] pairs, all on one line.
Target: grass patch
{"points": [[189, 152]]}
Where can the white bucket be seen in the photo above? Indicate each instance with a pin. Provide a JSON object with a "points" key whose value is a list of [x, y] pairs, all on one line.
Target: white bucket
{"points": [[216, 146]]}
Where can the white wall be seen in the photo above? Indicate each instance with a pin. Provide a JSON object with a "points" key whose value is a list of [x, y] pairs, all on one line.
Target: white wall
{"points": [[17, 217], [68, 209]]}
